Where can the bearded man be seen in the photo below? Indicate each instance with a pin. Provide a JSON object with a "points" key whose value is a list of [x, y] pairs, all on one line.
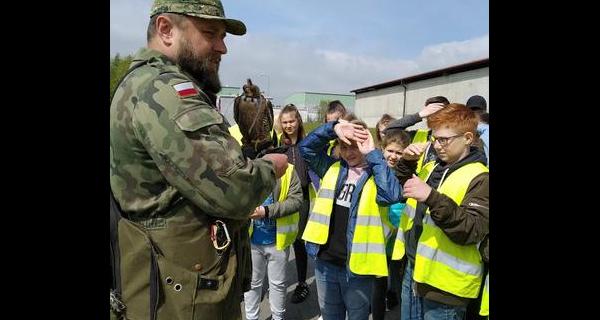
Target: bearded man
{"points": [[182, 186]]}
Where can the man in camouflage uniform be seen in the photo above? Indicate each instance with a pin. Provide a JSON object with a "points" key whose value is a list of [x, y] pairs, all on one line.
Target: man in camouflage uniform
{"points": [[175, 170]]}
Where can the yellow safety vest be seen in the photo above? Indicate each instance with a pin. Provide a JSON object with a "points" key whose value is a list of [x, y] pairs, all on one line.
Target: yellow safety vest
{"points": [[485, 299], [367, 255], [234, 131], [408, 215], [329, 153], [330, 148], [287, 227], [442, 263], [420, 136], [312, 193]]}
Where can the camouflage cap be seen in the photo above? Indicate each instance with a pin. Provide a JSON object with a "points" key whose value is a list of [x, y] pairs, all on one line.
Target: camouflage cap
{"points": [[206, 9]]}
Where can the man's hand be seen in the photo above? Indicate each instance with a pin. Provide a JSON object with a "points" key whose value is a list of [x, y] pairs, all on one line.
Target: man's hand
{"points": [[416, 188], [258, 213], [347, 131], [430, 109], [368, 145], [280, 163], [414, 151]]}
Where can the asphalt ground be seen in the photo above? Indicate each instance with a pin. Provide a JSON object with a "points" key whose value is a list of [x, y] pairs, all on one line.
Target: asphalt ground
{"points": [[309, 308]]}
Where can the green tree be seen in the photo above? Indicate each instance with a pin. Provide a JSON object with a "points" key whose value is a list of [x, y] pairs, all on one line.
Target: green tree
{"points": [[118, 68], [322, 112]]}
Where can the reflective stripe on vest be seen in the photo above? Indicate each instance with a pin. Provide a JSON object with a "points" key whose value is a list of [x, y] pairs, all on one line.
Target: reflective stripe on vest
{"points": [[440, 262], [485, 299], [449, 260], [287, 227], [317, 226], [367, 255], [408, 215]]}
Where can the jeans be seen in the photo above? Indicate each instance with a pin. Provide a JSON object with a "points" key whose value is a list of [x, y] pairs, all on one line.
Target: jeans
{"points": [[439, 311], [412, 305], [418, 308], [276, 260], [380, 286], [299, 248], [340, 293]]}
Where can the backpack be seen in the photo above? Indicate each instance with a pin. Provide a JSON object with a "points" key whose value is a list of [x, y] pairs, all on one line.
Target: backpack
{"points": [[117, 218]]}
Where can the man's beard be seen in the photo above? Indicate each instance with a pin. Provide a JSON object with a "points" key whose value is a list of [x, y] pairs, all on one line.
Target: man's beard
{"points": [[199, 68]]}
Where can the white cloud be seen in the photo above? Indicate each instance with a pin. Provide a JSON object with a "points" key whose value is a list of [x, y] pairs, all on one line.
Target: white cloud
{"points": [[282, 68], [451, 53], [128, 23]]}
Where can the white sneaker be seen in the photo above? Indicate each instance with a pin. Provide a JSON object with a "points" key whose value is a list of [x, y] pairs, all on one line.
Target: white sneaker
{"points": [[320, 318]]}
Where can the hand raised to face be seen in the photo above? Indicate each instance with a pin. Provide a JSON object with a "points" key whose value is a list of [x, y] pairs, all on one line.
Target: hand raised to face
{"points": [[414, 151], [367, 145], [347, 131]]}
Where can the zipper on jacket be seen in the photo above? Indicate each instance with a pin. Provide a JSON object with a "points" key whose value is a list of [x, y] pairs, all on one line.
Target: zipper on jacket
{"points": [[473, 204]]}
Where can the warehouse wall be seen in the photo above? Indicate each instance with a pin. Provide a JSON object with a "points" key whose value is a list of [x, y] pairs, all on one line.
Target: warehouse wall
{"points": [[456, 87]]}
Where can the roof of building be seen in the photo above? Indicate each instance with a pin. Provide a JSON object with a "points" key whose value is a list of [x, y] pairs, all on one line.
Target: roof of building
{"points": [[229, 91], [477, 64], [325, 93]]}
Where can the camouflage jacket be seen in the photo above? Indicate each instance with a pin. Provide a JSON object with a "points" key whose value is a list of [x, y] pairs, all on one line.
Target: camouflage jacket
{"points": [[174, 168]]}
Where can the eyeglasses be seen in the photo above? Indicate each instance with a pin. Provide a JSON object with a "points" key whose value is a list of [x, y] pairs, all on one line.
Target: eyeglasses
{"points": [[444, 141], [219, 235]]}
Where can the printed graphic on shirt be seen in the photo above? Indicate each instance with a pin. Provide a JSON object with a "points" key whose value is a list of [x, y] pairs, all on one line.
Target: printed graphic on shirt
{"points": [[345, 197]]}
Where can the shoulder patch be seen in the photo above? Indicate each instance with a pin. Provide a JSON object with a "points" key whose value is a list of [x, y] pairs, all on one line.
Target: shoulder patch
{"points": [[185, 89]]}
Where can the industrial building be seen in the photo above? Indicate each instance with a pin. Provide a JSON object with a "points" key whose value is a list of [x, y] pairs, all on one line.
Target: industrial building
{"points": [[407, 95]]}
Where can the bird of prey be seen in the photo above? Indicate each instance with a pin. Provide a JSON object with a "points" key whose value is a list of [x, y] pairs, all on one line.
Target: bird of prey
{"points": [[254, 116]]}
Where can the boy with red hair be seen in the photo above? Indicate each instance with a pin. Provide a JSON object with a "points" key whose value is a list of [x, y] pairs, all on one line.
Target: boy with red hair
{"points": [[445, 219]]}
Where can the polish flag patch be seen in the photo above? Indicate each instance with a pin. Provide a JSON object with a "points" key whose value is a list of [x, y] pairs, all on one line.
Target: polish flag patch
{"points": [[185, 89]]}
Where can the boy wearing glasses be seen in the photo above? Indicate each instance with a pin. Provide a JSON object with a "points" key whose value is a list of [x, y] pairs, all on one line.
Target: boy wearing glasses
{"points": [[274, 227], [445, 218]]}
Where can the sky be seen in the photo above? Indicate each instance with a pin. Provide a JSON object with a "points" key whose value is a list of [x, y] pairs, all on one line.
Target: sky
{"points": [[332, 46]]}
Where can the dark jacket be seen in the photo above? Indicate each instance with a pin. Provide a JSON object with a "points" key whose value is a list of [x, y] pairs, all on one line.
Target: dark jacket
{"points": [[465, 224], [295, 158], [404, 122]]}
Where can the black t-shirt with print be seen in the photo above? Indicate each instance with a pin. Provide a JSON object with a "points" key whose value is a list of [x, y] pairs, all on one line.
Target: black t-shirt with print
{"points": [[335, 249]]}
